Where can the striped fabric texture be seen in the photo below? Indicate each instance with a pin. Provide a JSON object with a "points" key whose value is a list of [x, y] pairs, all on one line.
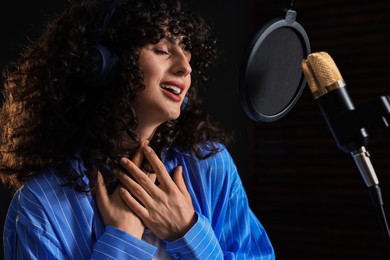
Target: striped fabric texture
{"points": [[48, 219]]}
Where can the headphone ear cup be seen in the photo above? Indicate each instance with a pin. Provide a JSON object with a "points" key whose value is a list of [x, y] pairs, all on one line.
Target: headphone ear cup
{"points": [[101, 67]]}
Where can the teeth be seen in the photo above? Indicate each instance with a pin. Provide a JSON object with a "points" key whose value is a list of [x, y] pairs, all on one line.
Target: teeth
{"points": [[173, 89]]}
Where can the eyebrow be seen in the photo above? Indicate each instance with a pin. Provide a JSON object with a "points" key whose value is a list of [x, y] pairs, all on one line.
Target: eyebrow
{"points": [[173, 39]]}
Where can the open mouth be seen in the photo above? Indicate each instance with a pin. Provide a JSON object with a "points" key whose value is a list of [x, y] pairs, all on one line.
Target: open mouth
{"points": [[173, 89]]}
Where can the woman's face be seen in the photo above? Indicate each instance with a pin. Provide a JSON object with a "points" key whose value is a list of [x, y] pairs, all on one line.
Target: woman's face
{"points": [[167, 78]]}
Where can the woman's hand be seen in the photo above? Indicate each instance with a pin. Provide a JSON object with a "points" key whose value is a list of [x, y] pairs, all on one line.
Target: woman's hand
{"points": [[165, 209], [114, 211]]}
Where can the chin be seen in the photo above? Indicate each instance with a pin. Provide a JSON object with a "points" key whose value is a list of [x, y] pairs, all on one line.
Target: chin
{"points": [[173, 115]]}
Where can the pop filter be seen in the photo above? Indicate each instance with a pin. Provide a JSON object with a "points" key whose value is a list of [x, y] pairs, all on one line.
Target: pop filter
{"points": [[271, 78]]}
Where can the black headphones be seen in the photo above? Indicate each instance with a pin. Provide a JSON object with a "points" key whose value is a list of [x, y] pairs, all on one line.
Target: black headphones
{"points": [[101, 64]]}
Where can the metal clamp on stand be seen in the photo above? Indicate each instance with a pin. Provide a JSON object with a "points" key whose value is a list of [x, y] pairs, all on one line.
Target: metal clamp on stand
{"points": [[363, 162]]}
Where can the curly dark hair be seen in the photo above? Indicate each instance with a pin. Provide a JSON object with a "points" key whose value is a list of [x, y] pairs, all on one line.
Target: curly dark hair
{"points": [[49, 113]]}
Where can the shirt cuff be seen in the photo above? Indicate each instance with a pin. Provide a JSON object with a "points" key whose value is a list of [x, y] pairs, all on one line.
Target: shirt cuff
{"points": [[115, 243], [199, 242]]}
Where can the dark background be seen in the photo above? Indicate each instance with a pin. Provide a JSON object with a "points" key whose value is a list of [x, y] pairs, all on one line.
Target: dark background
{"points": [[306, 192]]}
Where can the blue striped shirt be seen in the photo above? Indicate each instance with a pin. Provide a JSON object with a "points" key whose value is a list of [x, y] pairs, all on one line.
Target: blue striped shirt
{"points": [[49, 220]]}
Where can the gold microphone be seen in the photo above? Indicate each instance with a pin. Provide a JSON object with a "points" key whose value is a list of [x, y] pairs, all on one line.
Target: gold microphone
{"points": [[328, 89]]}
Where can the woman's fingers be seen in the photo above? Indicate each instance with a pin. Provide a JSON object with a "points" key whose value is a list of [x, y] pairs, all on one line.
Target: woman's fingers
{"points": [[135, 196], [140, 185], [101, 192], [163, 176], [178, 179], [165, 209], [138, 175], [133, 203], [138, 157]]}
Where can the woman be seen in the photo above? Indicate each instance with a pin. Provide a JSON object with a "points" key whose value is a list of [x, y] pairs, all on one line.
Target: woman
{"points": [[88, 182]]}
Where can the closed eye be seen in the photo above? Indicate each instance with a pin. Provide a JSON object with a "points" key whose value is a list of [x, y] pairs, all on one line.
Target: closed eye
{"points": [[160, 51]]}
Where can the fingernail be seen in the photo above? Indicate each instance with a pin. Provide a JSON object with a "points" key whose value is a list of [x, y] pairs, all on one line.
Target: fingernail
{"points": [[100, 178], [123, 160], [148, 149]]}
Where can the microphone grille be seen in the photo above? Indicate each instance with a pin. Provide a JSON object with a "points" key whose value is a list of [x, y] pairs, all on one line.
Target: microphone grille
{"points": [[321, 73], [324, 68]]}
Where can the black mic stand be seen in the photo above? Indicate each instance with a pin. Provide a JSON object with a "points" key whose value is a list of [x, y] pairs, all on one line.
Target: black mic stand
{"points": [[349, 130]]}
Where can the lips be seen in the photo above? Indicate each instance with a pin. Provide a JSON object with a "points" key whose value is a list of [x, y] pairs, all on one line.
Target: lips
{"points": [[172, 88]]}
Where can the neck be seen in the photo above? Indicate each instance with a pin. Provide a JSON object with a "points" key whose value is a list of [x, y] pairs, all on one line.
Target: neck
{"points": [[145, 133], [128, 144]]}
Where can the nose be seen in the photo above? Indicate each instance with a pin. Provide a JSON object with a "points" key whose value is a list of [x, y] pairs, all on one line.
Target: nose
{"points": [[182, 65]]}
